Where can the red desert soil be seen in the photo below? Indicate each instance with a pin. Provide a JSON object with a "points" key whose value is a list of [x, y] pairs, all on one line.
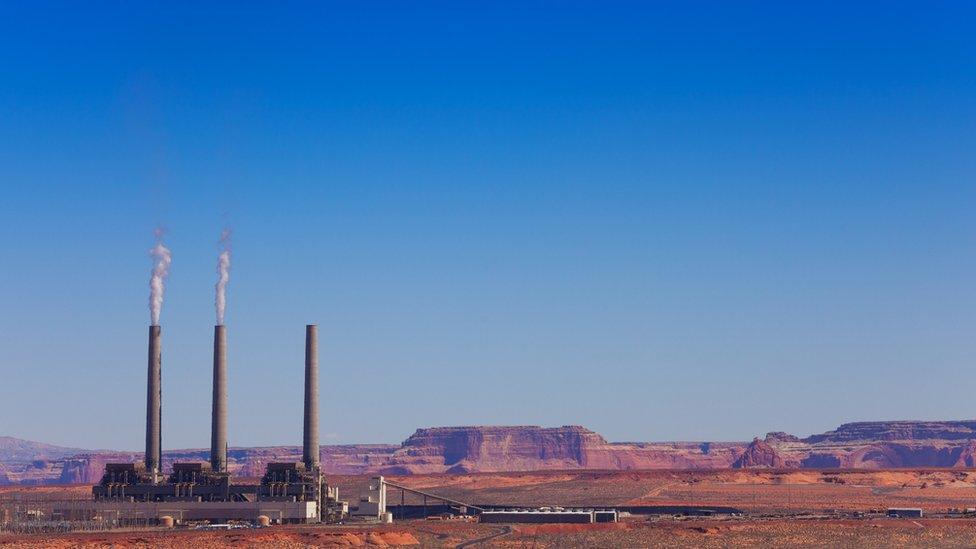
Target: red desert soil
{"points": [[750, 490], [761, 493], [755, 533], [640, 533], [756, 490], [272, 537]]}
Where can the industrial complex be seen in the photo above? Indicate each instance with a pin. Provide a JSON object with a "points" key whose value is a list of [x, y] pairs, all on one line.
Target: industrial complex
{"points": [[287, 493]]}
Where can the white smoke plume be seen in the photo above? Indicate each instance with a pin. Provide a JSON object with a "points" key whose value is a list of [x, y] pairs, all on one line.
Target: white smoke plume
{"points": [[223, 276], [162, 258]]}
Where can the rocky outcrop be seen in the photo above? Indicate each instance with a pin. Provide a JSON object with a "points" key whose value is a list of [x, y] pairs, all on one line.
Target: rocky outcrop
{"points": [[85, 469], [779, 436], [966, 456], [879, 431], [469, 449], [866, 445], [529, 448], [354, 459], [759, 454], [821, 461]]}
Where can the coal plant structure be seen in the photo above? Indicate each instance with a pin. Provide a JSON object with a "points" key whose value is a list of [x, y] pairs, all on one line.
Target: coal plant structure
{"points": [[310, 433], [154, 397], [218, 417], [288, 492], [296, 480]]}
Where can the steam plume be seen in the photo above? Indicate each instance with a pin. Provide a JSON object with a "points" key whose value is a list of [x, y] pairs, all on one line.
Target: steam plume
{"points": [[161, 262], [223, 276]]}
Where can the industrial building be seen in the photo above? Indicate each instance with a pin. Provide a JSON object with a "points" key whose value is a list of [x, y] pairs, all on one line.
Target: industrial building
{"points": [[548, 516], [372, 504], [288, 492], [120, 513], [904, 512]]}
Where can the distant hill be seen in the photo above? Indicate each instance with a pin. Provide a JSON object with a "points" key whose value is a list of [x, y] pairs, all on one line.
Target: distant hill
{"points": [[29, 462], [472, 449], [17, 450]]}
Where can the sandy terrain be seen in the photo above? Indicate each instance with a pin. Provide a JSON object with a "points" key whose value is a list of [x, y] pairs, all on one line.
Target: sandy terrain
{"points": [[640, 533], [271, 537], [783, 508], [754, 490], [752, 533]]}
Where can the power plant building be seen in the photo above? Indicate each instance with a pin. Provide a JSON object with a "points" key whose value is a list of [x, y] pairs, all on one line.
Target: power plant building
{"points": [[288, 492]]}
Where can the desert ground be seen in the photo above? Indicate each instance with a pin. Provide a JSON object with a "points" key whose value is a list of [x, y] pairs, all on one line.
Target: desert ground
{"points": [[641, 533], [779, 508]]}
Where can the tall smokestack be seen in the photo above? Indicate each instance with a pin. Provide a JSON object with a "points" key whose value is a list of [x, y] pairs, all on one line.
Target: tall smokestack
{"points": [[310, 441], [218, 418], [154, 416]]}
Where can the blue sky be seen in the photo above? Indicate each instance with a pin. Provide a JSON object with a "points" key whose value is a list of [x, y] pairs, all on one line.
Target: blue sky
{"points": [[661, 220]]}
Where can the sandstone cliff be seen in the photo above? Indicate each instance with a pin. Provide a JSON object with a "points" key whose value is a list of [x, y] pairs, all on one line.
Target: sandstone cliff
{"points": [[878, 431], [866, 445], [759, 455], [470, 449]]}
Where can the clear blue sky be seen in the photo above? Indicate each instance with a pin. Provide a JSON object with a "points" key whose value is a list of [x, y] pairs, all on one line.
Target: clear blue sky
{"points": [[673, 220]]}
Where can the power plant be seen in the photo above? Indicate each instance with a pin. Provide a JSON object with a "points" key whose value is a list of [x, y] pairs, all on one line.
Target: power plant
{"points": [[288, 492], [154, 412], [218, 417]]}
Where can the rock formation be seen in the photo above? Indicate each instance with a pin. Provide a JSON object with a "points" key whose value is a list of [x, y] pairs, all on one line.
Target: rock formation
{"points": [[759, 455], [967, 456], [779, 436], [866, 445], [880, 431], [470, 449]]}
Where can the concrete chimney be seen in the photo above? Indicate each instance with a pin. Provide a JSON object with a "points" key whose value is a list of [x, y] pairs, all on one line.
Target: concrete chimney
{"points": [[310, 441], [218, 417], [154, 416]]}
